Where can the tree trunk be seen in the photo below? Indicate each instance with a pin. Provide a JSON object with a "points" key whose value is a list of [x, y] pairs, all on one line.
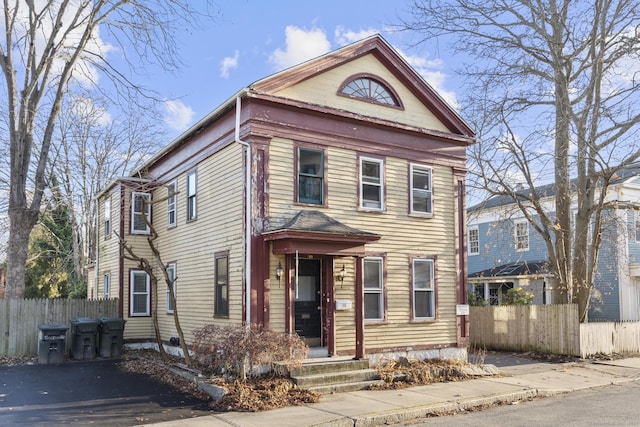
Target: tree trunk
{"points": [[176, 321], [581, 263], [154, 313], [21, 222]]}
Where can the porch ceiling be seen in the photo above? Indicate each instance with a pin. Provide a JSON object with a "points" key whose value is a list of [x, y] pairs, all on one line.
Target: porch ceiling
{"points": [[313, 232]]}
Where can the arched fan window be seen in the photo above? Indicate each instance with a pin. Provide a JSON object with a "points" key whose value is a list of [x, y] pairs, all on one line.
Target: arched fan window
{"points": [[370, 88]]}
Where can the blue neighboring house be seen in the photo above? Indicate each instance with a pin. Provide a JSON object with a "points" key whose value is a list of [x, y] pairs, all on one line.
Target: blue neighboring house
{"points": [[505, 251]]}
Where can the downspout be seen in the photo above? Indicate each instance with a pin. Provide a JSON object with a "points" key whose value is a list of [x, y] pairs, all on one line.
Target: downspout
{"points": [[247, 227]]}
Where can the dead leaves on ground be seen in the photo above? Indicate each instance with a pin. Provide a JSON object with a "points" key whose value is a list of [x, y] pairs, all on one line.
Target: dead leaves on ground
{"points": [[256, 394], [410, 372]]}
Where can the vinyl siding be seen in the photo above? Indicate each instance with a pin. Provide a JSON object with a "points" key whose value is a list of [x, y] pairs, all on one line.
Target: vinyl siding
{"points": [[605, 299], [322, 90], [109, 247], [403, 236], [497, 245], [193, 245]]}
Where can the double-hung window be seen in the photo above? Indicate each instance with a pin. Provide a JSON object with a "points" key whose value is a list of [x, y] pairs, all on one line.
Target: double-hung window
{"points": [[473, 237], [171, 204], [636, 225], [371, 183], [373, 288], [222, 286], [171, 274], [522, 236], [106, 285], [310, 176], [191, 196], [140, 209], [139, 297], [421, 193], [107, 216], [424, 302]]}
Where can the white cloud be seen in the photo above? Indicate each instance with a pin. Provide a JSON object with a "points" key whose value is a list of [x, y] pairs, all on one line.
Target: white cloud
{"points": [[431, 71], [177, 115], [229, 63], [344, 36], [301, 45]]}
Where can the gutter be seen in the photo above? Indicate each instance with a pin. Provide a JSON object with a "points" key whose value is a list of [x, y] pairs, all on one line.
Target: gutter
{"points": [[249, 208]]}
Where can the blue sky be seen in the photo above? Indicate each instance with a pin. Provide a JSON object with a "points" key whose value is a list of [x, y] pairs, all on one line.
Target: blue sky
{"points": [[252, 39]]}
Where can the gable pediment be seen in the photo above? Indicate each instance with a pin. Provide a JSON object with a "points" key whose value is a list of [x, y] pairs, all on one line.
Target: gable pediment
{"points": [[319, 81]]}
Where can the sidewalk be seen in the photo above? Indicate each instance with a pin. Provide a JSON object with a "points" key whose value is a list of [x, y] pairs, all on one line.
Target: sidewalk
{"points": [[520, 379]]}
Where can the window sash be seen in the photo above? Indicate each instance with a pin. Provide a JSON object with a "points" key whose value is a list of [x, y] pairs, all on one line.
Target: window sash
{"points": [[106, 285], [371, 183], [373, 289], [171, 204], [310, 176], [222, 286], [140, 301], [107, 216], [138, 211], [421, 193], [522, 236], [191, 196], [171, 272], [423, 289], [474, 240]]}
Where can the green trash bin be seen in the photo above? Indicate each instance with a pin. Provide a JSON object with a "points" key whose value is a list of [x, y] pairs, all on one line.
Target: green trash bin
{"points": [[84, 335], [111, 332], [52, 343]]}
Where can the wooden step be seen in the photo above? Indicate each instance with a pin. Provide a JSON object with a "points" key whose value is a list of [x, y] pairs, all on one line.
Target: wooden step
{"points": [[333, 375]]}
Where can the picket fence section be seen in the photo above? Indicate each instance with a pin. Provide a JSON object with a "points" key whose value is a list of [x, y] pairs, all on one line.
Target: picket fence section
{"points": [[19, 320], [553, 329], [609, 338]]}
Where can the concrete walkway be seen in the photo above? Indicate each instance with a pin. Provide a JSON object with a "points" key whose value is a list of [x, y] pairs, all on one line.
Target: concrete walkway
{"points": [[520, 379]]}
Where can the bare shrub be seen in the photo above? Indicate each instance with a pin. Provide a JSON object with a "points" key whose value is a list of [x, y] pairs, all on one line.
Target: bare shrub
{"points": [[233, 350]]}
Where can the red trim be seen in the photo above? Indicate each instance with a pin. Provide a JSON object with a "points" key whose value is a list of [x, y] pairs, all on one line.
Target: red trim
{"points": [[328, 305], [359, 314], [289, 295], [378, 47], [296, 171], [463, 321]]}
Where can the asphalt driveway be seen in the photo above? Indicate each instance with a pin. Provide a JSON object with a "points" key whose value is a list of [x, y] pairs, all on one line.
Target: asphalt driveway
{"points": [[94, 392]]}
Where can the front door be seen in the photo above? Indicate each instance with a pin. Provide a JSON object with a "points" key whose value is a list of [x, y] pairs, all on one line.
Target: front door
{"points": [[308, 313]]}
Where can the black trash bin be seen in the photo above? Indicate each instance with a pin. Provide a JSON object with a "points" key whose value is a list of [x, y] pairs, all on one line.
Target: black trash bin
{"points": [[52, 343], [84, 335], [111, 331]]}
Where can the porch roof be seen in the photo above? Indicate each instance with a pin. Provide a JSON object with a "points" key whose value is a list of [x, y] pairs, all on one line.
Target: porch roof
{"points": [[518, 268], [313, 232]]}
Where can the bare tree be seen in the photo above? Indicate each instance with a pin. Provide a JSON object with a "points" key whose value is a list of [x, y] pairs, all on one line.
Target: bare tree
{"points": [[147, 265], [94, 148], [552, 87], [50, 46]]}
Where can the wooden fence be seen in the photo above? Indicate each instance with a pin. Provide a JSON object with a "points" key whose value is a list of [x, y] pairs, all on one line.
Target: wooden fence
{"points": [[541, 328], [19, 320], [609, 338], [551, 329]]}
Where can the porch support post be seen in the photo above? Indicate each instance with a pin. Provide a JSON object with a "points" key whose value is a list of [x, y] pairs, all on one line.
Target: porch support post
{"points": [[359, 299], [328, 305], [289, 296]]}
